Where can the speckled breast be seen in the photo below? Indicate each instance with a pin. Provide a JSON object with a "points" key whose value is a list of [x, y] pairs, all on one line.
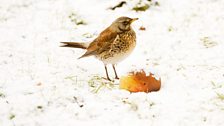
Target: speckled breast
{"points": [[122, 47]]}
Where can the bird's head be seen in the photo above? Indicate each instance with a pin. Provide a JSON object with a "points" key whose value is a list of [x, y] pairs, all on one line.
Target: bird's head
{"points": [[122, 24]]}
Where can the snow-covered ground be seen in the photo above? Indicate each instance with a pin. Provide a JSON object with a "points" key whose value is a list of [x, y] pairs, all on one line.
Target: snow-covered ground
{"points": [[42, 84]]}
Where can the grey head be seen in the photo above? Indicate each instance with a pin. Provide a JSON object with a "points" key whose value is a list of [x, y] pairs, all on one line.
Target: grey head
{"points": [[122, 24]]}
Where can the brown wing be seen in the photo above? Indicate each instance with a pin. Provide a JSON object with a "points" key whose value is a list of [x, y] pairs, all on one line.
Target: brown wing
{"points": [[101, 43]]}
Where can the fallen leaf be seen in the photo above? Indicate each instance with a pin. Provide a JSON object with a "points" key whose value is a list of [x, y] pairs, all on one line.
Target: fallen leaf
{"points": [[139, 82], [142, 28]]}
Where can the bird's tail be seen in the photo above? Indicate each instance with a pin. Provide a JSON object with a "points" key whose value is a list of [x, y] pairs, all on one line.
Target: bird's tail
{"points": [[75, 45]]}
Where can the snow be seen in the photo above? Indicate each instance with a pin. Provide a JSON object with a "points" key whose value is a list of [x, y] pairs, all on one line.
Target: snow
{"points": [[42, 84]]}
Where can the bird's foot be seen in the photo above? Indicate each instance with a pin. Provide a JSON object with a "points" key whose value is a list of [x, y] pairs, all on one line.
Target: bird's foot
{"points": [[107, 78]]}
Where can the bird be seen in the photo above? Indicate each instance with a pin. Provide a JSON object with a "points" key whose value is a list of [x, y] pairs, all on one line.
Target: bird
{"points": [[112, 45]]}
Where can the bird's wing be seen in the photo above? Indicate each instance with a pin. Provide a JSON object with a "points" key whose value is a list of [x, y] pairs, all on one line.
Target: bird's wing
{"points": [[101, 43]]}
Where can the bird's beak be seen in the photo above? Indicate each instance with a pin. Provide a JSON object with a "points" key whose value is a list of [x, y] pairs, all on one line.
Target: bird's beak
{"points": [[133, 19]]}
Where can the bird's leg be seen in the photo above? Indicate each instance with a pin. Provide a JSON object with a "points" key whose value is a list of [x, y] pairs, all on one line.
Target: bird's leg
{"points": [[116, 77], [105, 66]]}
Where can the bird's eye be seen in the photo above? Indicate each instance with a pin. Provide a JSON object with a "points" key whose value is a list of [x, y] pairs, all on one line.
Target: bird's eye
{"points": [[125, 23]]}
